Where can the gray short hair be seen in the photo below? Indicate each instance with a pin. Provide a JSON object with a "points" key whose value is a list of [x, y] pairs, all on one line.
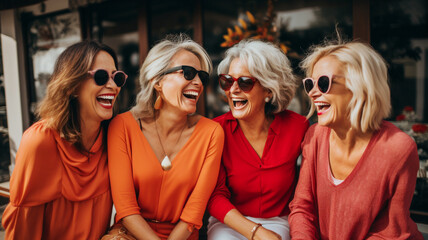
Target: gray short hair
{"points": [[366, 77], [156, 62], [269, 65]]}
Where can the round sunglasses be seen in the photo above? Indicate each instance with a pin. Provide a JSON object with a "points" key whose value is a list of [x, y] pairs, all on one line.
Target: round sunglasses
{"points": [[323, 83], [189, 73], [101, 77], [244, 83]]}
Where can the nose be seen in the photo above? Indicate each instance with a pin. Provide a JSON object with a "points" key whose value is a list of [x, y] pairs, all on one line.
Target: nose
{"points": [[111, 84], [314, 93], [197, 80], [235, 88]]}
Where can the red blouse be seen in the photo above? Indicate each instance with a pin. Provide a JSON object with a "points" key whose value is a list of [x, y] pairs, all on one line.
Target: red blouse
{"points": [[258, 187]]}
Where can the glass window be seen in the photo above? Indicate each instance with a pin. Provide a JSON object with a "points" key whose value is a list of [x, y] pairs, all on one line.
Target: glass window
{"points": [[399, 33], [116, 25], [47, 37], [170, 17], [4, 134]]}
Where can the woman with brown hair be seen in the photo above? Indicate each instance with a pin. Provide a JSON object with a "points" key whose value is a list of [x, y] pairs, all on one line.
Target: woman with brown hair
{"points": [[163, 158], [60, 186]]}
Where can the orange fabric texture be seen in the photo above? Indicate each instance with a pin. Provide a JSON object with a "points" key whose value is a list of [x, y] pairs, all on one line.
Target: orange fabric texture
{"points": [[56, 192], [141, 186], [164, 229]]}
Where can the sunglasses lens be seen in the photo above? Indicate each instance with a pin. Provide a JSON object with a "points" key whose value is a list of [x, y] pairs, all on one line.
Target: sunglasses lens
{"points": [[101, 77], [323, 84], [245, 84], [308, 84], [204, 76], [189, 73], [226, 82], [119, 79]]}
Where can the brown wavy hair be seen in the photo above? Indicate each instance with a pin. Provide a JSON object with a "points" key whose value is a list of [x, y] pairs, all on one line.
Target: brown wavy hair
{"points": [[60, 109]]}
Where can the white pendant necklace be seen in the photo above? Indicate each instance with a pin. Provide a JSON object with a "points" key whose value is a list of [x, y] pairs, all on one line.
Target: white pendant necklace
{"points": [[166, 162]]}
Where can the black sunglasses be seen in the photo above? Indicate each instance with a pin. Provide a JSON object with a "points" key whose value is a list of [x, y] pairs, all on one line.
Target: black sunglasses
{"points": [[189, 73], [101, 77], [323, 83], [244, 83]]}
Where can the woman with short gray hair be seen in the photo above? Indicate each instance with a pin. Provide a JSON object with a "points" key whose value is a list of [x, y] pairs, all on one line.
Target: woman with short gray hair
{"points": [[262, 143]]}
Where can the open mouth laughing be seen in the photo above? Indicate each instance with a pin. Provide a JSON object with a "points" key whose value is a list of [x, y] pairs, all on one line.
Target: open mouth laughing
{"points": [[106, 100], [191, 94], [322, 107], [239, 103]]}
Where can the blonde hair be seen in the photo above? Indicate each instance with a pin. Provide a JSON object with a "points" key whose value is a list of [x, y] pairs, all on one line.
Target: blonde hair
{"points": [[269, 65], [157, 61], [60, 108], [366, 77]]}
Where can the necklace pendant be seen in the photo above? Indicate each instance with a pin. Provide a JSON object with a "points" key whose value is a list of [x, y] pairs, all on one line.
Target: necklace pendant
{"points": [[166, 163]]}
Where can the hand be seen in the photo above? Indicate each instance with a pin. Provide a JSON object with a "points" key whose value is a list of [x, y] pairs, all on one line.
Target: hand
{"points": [[266, 234]]}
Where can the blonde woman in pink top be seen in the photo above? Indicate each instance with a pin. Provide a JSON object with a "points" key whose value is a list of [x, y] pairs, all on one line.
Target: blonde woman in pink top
{"points": [[359, 171]]}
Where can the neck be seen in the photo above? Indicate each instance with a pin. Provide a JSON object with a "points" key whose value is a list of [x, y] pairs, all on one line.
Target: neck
{"points": [[349, 138], [256, 126], [90, 130], [169, 121]]}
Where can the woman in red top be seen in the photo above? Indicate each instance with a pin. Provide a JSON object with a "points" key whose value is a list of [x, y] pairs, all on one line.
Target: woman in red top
{"points": [[60, 185], [358, 172], [262, 144]]}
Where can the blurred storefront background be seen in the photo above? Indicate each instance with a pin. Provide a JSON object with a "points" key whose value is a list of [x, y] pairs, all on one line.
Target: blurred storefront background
{"points": [[35, 32]]}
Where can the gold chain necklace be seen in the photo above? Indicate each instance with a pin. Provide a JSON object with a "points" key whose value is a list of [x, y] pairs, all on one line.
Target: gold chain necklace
{"points": [[166, 162]]}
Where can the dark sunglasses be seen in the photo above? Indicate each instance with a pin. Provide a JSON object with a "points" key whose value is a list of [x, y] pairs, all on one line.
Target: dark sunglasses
{"points": [[323, 83], [189, 73], [101, 77], [244, 83]]}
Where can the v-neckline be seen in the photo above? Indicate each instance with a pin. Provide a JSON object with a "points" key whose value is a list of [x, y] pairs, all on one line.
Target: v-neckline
{"points": [[151, 148], [250, 147], [357, 167]]}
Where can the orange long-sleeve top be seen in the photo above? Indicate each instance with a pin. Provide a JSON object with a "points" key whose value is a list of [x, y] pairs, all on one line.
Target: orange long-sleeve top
{"points": [[56, 192], [141, 186]]}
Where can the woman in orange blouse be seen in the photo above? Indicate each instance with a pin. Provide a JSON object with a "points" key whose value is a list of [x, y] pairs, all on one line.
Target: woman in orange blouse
{"points": [[60, 186], [163, 158]]}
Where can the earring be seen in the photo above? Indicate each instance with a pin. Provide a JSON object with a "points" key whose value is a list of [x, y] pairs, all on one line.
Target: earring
{"points": [[158, 103], [267, 99]]}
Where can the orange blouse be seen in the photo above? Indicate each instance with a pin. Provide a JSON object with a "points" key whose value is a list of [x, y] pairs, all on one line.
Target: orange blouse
{"points": [[56, 192], [141, 186]]}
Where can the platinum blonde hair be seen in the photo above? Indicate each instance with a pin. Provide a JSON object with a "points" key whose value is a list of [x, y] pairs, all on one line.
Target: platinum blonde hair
{"points": [[157, 61], [366, 77], [269, 65]]}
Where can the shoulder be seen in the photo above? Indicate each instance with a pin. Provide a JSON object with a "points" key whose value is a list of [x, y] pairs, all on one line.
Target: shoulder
{"points": [[293, 118], [37, 163], [38, 139], [121, 121], [223, 119], [210, 125], [122, 118], [316, 132], [395, 141]]}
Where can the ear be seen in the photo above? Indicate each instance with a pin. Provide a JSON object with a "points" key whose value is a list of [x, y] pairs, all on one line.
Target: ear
{"points": [[158, 86], [268, 93]]}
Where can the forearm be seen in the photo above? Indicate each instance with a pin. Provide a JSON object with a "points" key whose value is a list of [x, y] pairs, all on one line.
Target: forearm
{"points": [[235, 220], [249, 229], [180, 231], [139, 228]]}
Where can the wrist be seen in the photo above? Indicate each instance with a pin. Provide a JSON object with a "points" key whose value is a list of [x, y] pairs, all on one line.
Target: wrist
{"points": [[254, 230]]}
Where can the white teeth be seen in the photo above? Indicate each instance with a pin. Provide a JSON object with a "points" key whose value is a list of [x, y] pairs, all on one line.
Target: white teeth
{"points": [[238, 100], [191, 93], [107, 97], [321, 104]]}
